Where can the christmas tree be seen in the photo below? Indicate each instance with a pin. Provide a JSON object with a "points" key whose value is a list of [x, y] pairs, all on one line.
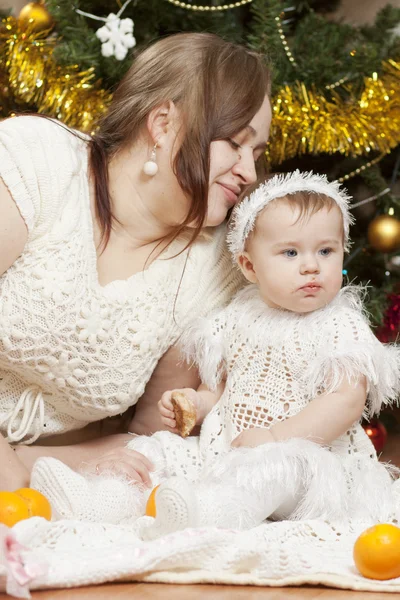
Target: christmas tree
{"points": [[336, 100]]}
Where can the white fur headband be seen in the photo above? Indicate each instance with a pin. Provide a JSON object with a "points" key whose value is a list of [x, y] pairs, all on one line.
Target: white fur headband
{"points": [[245, 214]]}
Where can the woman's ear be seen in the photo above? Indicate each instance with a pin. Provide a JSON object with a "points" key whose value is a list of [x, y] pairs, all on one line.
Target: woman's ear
{"points": [[247, 267], [162, 122]]}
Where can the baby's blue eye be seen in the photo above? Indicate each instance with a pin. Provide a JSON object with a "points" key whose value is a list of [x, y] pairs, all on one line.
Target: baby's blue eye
{"points": [[290, 253], [326, 251]]}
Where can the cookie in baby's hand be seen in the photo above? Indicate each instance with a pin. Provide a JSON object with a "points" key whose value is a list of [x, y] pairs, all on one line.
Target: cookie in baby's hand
{"points": [[185, 413]]}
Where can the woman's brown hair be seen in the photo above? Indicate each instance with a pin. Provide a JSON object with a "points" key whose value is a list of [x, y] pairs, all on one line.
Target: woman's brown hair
{"points": [[217, 86]]}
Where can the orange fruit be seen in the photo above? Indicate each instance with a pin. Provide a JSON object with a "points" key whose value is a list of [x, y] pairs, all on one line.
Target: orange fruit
{"points": [[377, 552], [13, 508], [151, 503], [37, 504]]}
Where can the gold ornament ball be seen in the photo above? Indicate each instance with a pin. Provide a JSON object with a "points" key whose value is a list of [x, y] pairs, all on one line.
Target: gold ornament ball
{"points": [[384, 233], [34, 17]]}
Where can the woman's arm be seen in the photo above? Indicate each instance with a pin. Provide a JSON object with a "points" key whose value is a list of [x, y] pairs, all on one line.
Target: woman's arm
{"points": [[13, 236], [95, 456], [74, 455], [322, 421], [13, 474], [13, 231]]}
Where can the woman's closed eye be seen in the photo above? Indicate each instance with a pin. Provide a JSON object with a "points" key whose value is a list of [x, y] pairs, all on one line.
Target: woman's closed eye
{"points": [[233, 144], [257, 153]]}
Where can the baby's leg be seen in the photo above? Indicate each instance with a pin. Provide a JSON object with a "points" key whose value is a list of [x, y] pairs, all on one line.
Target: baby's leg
{"points": [[248, 485], [97, 498]]}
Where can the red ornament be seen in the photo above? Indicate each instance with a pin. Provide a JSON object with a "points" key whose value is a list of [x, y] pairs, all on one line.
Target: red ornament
{"points": [[390, 329], [376, 431]]}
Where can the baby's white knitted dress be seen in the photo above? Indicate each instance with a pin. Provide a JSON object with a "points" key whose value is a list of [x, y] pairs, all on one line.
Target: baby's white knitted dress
{"points": [[275, 362], [73, 351]]}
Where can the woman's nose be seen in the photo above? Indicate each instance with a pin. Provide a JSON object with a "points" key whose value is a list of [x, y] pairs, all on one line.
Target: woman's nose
{"points": [[245, 167]]}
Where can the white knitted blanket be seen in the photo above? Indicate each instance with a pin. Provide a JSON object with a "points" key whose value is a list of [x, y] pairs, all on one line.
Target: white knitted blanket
{"points": [[273, 554]]}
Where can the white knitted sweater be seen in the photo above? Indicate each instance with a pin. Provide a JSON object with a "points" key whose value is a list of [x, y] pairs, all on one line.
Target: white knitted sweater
{"points": [[73, 351]]}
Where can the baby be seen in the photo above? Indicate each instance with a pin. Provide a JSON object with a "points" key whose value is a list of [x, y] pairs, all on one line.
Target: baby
{"points": [[288, 368]]}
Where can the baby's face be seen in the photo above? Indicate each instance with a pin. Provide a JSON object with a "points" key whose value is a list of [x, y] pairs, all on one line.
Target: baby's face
{"points": [[297, 264]]}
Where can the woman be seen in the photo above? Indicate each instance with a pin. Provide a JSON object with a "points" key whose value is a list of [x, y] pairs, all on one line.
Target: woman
{"points": [[111, 245]]}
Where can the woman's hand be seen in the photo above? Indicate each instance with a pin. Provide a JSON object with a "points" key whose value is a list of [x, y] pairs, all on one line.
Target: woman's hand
{"points": [[250, 438], [167, 410], [122, 462], [13, 473]]}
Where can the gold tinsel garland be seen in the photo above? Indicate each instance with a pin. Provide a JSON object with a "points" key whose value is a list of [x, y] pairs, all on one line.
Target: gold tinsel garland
{"points": [[308, 121], [34, 78], [305, 119]]}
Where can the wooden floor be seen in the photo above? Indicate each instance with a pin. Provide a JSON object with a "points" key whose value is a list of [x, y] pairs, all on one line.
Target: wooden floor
{"points": [[144, 591], [156, 591]]}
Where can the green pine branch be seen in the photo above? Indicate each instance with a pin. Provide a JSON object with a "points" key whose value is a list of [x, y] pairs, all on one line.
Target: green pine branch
{"points": [[78, 43], [264, 36], [325, 51], [152, 19]]}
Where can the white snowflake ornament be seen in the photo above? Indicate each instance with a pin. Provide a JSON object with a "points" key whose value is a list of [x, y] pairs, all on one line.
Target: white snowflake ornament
{"points": [[116, 37]]}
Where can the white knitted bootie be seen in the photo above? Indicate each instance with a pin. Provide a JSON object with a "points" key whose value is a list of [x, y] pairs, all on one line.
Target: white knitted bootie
{"points": [[176, 508], [93, 498], [181, 504]]}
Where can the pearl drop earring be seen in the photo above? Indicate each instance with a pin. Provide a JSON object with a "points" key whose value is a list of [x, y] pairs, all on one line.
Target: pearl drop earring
{"points": [[150, 167]]}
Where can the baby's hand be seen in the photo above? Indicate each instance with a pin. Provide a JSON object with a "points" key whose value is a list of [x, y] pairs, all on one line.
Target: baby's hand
{"points": [[166, 408]]}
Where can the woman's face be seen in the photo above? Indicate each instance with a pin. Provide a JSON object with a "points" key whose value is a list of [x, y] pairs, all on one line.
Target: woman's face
{"points": [[232, 169], [232, 165]]}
